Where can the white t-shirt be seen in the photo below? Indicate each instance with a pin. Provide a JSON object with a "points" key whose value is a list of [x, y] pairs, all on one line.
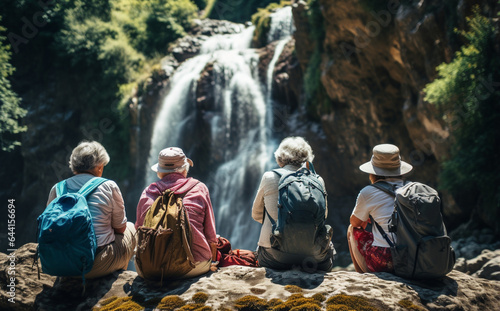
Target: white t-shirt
{"points": [[105, 204], [379, 204]]}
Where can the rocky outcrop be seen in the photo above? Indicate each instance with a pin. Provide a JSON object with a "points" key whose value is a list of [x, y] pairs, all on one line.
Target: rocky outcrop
{"points": [[383, 291], [376, 59], [189, 46]]}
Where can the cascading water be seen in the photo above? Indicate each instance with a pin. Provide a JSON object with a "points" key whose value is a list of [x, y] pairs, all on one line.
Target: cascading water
{"points": [[240, 127]]}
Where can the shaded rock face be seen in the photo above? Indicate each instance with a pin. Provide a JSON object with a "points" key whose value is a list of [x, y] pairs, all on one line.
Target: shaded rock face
{"points": [[374, 65], [457, 291]]}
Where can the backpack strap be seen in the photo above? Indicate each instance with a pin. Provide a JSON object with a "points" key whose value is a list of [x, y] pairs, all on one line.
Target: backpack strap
{"points": [[382, 231], [386, 187], [61, 188], [391, 190], [91, 185]]}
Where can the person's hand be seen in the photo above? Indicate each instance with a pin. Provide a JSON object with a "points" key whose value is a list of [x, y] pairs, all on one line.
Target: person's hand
{"points": [[213, 266]]}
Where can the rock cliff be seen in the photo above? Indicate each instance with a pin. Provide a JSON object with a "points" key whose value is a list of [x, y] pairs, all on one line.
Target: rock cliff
{"points": [[229, 288]]}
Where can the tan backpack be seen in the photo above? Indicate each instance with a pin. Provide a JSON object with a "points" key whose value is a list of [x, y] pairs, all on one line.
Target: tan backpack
{"points": [[164, 240]]}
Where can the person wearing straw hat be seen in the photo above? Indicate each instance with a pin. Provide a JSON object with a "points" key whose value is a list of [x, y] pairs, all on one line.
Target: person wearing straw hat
{"points": [[172, 169], [369, 251]]}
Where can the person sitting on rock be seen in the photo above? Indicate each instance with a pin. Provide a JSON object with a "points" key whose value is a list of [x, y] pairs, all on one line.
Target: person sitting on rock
{"points": [[172, 169], [370, 252], [291, 155], [115, 236]]}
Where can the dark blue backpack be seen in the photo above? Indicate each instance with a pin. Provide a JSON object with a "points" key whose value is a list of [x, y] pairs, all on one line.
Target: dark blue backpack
{"points": [[67, 242], [300, 228]]}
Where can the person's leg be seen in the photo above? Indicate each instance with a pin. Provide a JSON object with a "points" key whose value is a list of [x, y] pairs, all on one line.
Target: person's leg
{"points": [[357, 258], [271, 258], [114, 256], [202, 267]]}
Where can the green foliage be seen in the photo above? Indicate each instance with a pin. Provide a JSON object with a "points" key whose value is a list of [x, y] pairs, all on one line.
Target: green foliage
{"points": [[467, 93], [317, 101], [262, 22], [10, 110], [237, 11]]}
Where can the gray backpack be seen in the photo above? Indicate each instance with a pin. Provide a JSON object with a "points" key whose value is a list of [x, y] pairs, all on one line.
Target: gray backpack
{"points": [[300, 228], [423, 248]]}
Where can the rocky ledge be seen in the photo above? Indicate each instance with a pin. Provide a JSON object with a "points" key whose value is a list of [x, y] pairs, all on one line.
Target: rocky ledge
{"points": [[242, 288]]}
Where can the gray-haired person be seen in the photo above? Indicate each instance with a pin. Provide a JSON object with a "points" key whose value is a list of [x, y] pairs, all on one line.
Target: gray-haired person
{"points": [[115, 236], [292, 153]]}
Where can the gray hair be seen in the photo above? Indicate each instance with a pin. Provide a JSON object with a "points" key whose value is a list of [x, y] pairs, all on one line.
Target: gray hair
{"points": [[87, 155], [293, 150], [184, 168]]}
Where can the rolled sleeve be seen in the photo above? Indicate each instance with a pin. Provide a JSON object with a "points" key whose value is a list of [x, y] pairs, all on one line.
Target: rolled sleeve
{"points": [[359, 210]]}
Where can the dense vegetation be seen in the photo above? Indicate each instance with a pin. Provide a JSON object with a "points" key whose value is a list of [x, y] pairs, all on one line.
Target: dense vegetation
{"points": [[262, 22], [10, 111], [86, 57], [467, 92], [239, 11]]}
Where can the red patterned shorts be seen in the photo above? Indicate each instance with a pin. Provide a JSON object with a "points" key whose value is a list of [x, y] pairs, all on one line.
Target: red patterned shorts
{"points": [[378, 259]]}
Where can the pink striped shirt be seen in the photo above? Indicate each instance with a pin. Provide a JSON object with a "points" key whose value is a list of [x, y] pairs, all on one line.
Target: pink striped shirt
{"points": [[197, 203]]}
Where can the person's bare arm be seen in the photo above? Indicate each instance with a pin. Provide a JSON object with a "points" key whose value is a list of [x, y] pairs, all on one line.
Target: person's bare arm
{"points": [[357, 223]]}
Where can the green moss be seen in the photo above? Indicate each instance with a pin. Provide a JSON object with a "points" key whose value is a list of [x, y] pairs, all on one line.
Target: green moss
{"points": [[319, 297], [119, 304], [274, 302], [195, 307], [293, 289], [306, 307], [351, 302], [251, 303], [337, 308], [297, 302], [171, 302], [407, 304], [200, 297], [262, 22]]}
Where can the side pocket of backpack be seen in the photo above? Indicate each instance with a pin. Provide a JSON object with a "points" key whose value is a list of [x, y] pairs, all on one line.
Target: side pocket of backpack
{"points": [[324, 238], [401, 261], [435, 257]]}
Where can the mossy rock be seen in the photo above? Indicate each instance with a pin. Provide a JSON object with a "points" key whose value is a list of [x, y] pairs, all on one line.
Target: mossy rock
{"points": [[298, 302], [200, 297], [119, 304], [171, 302], [350, 302], [307, 307], [195, 307], [251, 303], [408, 305], [293, 289], [319, 297]]}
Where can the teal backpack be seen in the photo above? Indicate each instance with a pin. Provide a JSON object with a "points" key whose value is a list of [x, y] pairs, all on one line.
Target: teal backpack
{"points": [[301, 227], [67, 242]]}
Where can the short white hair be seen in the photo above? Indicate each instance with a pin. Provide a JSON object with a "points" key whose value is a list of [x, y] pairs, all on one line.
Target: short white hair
{"points": [[293, 150], [184, 169], [88, 155]]}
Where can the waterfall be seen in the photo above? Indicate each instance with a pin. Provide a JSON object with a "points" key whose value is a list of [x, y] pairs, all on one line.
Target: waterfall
{"points": [[240, 126]]}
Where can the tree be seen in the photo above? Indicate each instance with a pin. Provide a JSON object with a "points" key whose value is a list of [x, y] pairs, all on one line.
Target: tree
{"points": [[10, 110], [467, 91]]}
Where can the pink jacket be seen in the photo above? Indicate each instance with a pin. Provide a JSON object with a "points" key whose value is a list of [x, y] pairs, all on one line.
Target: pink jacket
{"points": [[198, 206]]}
